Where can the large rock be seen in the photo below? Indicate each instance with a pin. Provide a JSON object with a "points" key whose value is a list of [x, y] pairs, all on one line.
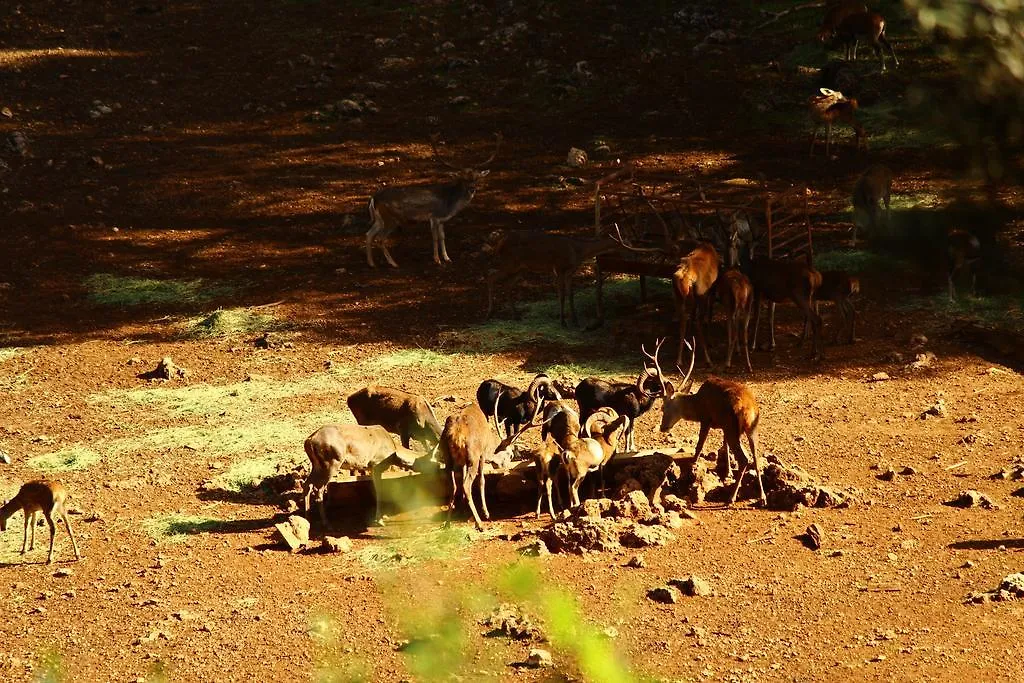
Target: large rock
{"points": [[668, 595], [972, 499], [640, 536], [294, 533], [509, 621], [693, 586]]}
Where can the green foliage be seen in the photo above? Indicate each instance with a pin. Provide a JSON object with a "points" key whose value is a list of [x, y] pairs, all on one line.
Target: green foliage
{"points": [[174, 528], [407, 358], [229, 322], [50, 667], [856, 261], [69, 459], [424, 544], [114, 290], [247, 475]]}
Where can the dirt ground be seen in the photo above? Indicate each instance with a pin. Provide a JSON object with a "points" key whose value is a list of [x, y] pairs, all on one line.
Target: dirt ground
{"points": [[180, 141]]}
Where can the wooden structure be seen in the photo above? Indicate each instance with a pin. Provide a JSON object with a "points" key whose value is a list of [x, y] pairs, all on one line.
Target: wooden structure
{"points": [[668, 213]]}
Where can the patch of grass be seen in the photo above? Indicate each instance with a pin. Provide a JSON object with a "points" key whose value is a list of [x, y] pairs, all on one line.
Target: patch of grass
{"points": [[857, 261], [229, 322], [604, 367], [174, 528], [207, 399], [539, 320], [114, 290], [68, 459], [424, 545], [408, 358], [1001, 311], [891, 126], [805, 54], [11, 352], [247, 475]]}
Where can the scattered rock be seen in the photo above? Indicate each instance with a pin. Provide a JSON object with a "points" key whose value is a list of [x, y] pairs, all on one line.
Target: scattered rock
{"points": [[908, 471], [576, 158], [972, 499], [264, 342], [294, 533], [880, 377], [693, 586], [674, 503], [509, 621], [964, 419], [5, 458], [18, 143], [336, 544], [1010, 588], [638, 536], [633, 506], [922, 361], [535, 549], [63, 572], [668, 595], [165, 370], [812, 538], [637, 562], [539, 659], [937, 409], [888, 475], [917, 341]]}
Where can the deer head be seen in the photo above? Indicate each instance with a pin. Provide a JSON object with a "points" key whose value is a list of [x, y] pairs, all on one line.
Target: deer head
{"points": [[666, 387], [467, 174], [680, 405]]}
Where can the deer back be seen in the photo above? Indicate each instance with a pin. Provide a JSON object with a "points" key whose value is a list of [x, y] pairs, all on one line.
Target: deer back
{"points": [[697, 271], [425, 202]]}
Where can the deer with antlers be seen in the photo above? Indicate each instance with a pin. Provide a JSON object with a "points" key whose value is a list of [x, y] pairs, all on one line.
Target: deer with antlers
{"points": [[718, 404], [831, 106], [435, 204]]}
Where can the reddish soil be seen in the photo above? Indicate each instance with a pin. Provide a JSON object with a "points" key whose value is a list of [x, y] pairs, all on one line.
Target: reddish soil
{"points": [[208, 165]]}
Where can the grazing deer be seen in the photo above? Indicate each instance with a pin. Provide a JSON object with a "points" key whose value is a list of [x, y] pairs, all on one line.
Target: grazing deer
{"points": [[835, 12], [839, 287], [718, 404], [32, 498], [522, 250], [873, 186], [468, 444], [435, 204], [963, 252], [736, 294], [827, 108], [867, 26], [356, 448], [407, 415], [514, 406]]}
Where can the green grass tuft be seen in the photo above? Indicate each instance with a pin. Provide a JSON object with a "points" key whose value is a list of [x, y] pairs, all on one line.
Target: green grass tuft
{"points": [[114, 290], [11, 352], [430, 544], [229, 322], [1000, 311], [247, 475], [68, 459], [857, 261], [174, 528], [408, 358]]}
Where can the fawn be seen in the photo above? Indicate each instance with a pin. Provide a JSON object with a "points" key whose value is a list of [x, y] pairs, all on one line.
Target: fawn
{"points": [[39, 496]]}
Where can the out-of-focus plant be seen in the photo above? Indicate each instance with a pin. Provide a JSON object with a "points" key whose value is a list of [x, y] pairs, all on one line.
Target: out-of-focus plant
{"points": [[984, 108]]}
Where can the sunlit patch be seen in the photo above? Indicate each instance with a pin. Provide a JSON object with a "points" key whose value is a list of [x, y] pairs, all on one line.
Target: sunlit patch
{"points": [[15, 57]]}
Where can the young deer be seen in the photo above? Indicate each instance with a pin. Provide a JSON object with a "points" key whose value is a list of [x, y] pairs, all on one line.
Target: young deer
{"points": [[435, 204], [873, 186], [867, 26], [34, 497], [468, 444], [838, 287], [835, 12], [718, 404], [561, 428], [592, 450], [523, 250], [827, 108], [737, 295], [963, 252]]}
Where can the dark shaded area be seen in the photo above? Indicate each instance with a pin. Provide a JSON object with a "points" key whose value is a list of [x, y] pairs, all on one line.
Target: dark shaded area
{"points": [[994, 544]]}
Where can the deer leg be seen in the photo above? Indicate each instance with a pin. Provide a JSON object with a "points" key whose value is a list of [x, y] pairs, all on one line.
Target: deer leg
{"points": [[771, 324], [705, 428], [67, 525], [53, 535], [434, 238], [952, 289], [444, 245], [468, 477], [752, 440], [733, 442], [572, 299], [574, 489], [684, 308], [731, 333], [383, 244], [483, 495], [551, 507], [699, 326], [24, 538], [455, 490], [371, 235], [853, 320], [375, 474], [888, 45], [34, 524], [542, 479]]}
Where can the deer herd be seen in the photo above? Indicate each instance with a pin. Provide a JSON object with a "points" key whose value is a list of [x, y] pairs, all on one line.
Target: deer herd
{"points": [[583, 426]]}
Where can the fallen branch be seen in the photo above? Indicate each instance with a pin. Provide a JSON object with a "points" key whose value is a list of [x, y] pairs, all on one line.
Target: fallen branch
{"points": [[878, 589], [778, 15], [953, 467]]}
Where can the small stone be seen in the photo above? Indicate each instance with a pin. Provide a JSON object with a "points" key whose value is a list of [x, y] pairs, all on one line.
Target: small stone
{"points": [[336, 544], [576, 158], [693, 586], [535, 549], [668, 595], [972, 499], [611, 632], [813, 537], [837, 553], [922, 361], [938, 409], [888, 475], [7, 113], [63, 572], [908, 471], [539, 659], [880, 377], [637, 562]]}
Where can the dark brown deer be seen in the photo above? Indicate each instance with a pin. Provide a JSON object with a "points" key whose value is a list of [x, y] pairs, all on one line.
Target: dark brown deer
{"points": [[866, 26], [828, 108], [718, 404], [835, 12], [873, 186], [963, 252], [407, 415], [839, 287], [435, 204]]}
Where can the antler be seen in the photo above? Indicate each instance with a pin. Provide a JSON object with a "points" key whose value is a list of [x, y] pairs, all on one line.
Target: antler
{"points": [[497, 145], [657, 365], [693, 357], [437, 155], [508, 441], [622, 242]]}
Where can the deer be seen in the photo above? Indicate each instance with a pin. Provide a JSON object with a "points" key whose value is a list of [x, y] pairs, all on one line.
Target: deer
{"points": [[625, 398], [873, 186], [561, 427], [436, 204], [407, 415], [963, 252], [835, 12], [736, 294], [868, 26], [839, 287], [515, 407], [778, 281], [827, 108], [467, 444], [718, 404], [357, 448], [526, 251], [48, 497]]}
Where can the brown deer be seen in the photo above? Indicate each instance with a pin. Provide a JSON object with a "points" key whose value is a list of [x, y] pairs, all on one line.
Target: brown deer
{"points": [[561, 428], [468, 444], [32, 498], [839, 287], [873, 186], [718, 404], [867, 26], [827, 108], [691, 285], [737, 295], [835, 12], [963, 252], [399, 412], [521, 250], [592, 450], [435, 204]]}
